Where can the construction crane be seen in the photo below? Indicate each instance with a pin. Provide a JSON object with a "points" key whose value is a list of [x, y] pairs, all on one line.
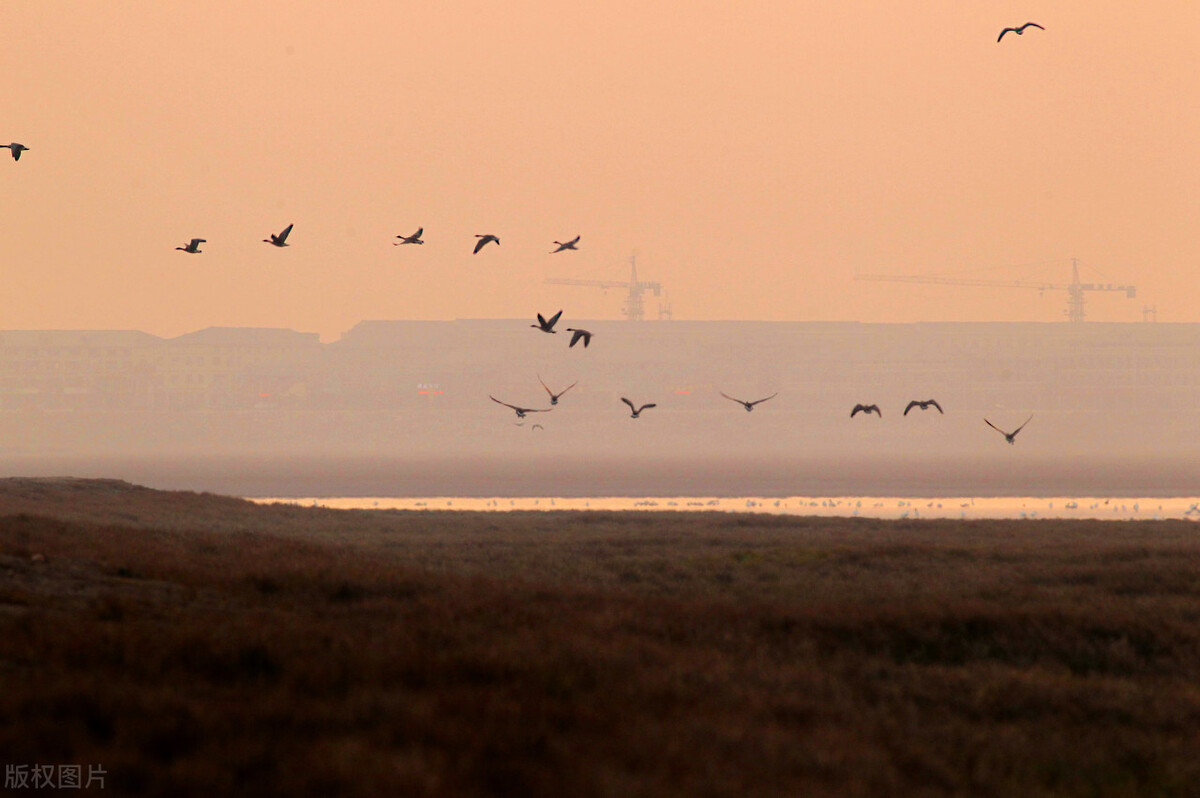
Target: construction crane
{"points": [[634, 308], [1075, 289]]}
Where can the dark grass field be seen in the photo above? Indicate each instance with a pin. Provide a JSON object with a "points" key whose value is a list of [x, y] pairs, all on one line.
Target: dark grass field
{"points": [[199, 645]]}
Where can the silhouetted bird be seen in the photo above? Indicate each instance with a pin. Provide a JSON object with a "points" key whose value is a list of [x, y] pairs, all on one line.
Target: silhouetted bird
{"points": [[566, 245], [1019, 30], [17, 149], [748, 405], [923, 405], [281, 239], [1009, 436], [415, 238], [637, 411], [539, 426], [554, 396], [193, 246], [547, 326], [521, 411], [584, 334], [483, 241], [867, 409]]}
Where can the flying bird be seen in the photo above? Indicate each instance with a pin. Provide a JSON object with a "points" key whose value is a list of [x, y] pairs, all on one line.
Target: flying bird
{"points": [[748, 405], [1009, 436], [1019, 30], [483, 241], [584, 334], [17, 149], [547, 326], [521, 411], [566, 245], [923, 405], [539, 426], [637, 411], [415, 238], [554, 396], [281, 239], [867, 409], [193, 246]]}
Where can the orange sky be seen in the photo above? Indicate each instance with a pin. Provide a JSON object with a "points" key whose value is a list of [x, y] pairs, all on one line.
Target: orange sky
{"points": [[755, 155]]}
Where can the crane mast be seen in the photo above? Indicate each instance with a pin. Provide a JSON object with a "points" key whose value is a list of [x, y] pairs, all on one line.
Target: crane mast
{"points": [[634, 307]]}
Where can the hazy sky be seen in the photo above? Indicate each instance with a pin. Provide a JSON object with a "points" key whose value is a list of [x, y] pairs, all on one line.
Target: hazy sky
{"points": [[755, 155]]}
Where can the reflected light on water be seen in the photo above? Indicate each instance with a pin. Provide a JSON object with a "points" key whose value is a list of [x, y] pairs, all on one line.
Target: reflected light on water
{"points": [[885, 507]]}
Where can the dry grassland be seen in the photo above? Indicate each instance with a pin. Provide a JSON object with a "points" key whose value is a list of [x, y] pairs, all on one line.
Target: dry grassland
{"points": [[200, 645]]}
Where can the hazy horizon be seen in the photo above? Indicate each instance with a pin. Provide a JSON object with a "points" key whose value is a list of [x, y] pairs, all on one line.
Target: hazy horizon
{"points": [[754, 157]]}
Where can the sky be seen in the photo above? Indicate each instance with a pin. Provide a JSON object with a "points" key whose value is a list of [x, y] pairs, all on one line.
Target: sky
{"points": [[754, 156]]}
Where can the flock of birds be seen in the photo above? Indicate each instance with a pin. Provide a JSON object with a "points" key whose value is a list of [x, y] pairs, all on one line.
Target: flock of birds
{"points": [[547, 325], [280, 240]]}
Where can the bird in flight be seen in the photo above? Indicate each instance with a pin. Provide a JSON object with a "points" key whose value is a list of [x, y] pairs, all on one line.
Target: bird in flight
{"points": [[1019, 30], [415, 238], [554, 396], [17, 149], [748, 405], [584, 334], [483, 241], [547, 326], [867, 409], [923, 405], [281, 239], [193, 246], [521, 411], [1009, 436], [566, 245], [539, 426], [637, 411]]}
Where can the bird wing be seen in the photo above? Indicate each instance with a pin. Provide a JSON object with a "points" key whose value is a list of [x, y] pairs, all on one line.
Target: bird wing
{"points": [[586, 336], [283, 236], [573, 241], [856, 409], [874, 409], [730, 398], [631, 407], [417, 234], [1018, 429], [993, 426], [1001, 36], [760, 401], [911, 405], [506, 404], [553, 319], [16, 153], [939, 407], [569, 387], [541, 321], [479, 245], [1032, 25], [544, 385], [646, 406]]}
